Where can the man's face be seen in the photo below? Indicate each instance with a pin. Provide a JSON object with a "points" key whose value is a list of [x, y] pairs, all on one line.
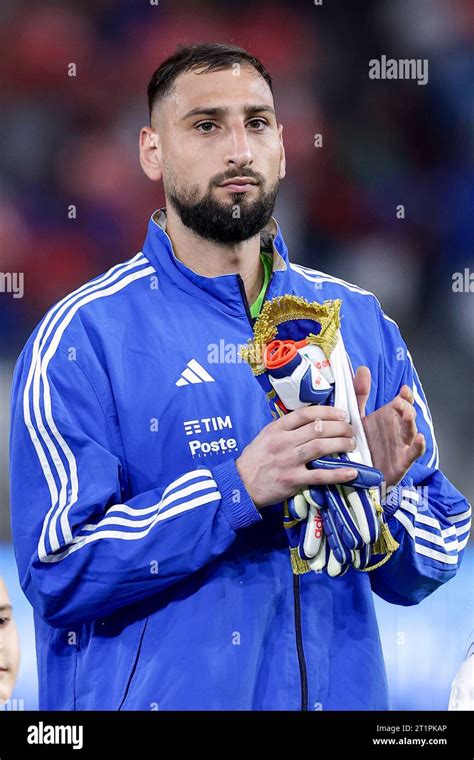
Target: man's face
{"points": [[9, 646], [213, 127]]}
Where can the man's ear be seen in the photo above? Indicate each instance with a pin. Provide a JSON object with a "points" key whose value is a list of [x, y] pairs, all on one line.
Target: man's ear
{"points": [[282, 172], [150, 153]]}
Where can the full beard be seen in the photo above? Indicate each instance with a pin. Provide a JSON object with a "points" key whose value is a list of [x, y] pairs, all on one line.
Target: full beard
{"points": [[224, 223]]}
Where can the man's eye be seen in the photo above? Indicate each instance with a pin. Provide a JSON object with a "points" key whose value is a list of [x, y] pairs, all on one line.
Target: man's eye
{"points": [[4, 620], [205, 124], [260, 122], [207, 127]]}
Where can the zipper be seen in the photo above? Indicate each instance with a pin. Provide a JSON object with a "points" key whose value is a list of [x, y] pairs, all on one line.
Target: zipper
{"points": [[299, 643], [296, 579], [244, 299]]}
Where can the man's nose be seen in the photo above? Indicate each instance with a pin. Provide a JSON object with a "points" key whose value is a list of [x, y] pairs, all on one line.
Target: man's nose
{"points": [[240, 152]]}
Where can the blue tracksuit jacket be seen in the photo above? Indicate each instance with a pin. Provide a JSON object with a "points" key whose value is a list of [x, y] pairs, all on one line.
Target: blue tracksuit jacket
{"points": [[155, 582]]}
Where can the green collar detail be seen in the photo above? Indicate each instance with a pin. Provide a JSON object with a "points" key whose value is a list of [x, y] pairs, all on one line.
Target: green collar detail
{"points": [[267, 270]]}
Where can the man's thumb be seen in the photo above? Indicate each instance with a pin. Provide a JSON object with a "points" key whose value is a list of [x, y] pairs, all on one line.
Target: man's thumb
{"points": [[362, 387]]}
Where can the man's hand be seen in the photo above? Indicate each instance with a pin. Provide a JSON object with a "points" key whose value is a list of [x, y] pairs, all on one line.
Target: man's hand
{"points": [[273, 465], [391, 431]]}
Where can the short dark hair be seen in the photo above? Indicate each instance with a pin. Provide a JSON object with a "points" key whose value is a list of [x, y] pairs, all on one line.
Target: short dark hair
{"points": [[211, 56]]}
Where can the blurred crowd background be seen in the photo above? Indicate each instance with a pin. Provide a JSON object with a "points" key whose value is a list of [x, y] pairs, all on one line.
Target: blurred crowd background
{"points": [[74, 140]]}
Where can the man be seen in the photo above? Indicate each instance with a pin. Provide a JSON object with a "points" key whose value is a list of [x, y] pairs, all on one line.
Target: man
{"points": [[9, 646], [148, 478]]}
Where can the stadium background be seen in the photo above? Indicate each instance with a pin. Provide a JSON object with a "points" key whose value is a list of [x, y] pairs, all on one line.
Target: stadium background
{"points": [[73, 140]]}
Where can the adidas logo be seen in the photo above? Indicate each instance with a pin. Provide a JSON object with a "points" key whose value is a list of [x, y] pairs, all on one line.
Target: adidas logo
{"points": [[194, 373]]}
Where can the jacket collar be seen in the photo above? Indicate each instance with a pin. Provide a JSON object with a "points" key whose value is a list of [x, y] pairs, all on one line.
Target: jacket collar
{"points": [[224, 290]]}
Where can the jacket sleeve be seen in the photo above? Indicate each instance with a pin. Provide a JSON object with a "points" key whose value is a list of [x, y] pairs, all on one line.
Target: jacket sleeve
{"points": [[426, 514], [83, 552]]}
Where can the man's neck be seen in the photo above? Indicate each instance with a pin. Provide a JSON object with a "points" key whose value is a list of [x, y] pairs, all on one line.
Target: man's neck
{"points": [[213, 259]]}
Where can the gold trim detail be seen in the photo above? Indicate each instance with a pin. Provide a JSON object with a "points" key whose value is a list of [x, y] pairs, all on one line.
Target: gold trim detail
{"points": [[298, 565], [286, 308]]}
